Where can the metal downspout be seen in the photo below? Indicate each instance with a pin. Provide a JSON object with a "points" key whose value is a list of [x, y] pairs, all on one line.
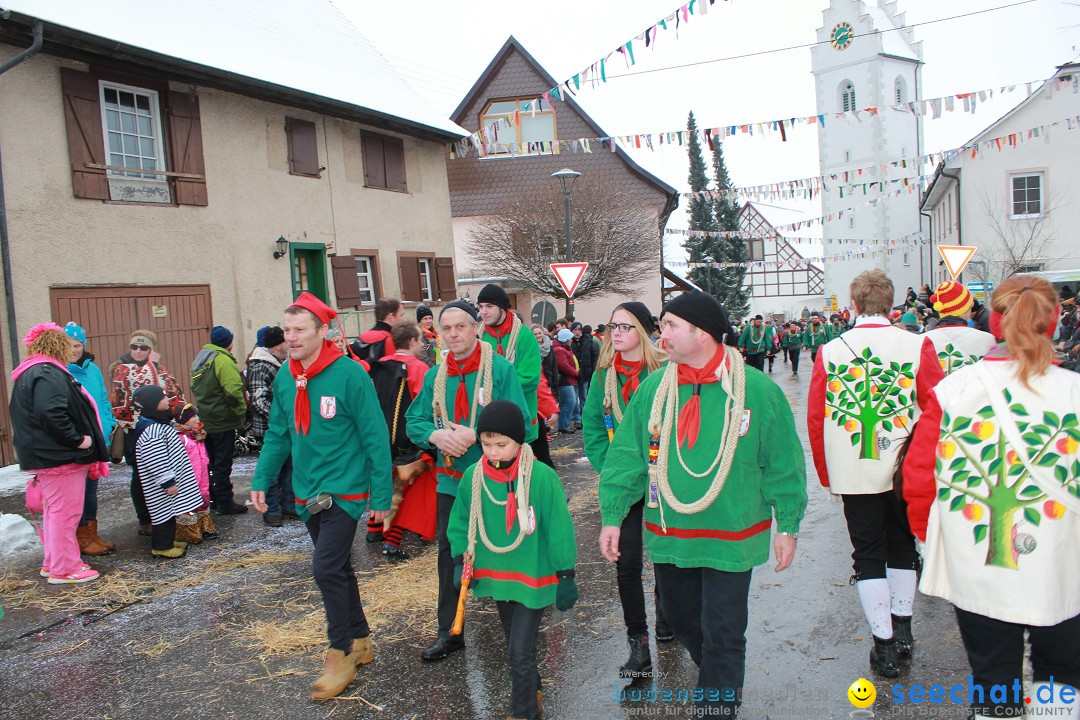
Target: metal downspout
{"points": [[5, 245]]}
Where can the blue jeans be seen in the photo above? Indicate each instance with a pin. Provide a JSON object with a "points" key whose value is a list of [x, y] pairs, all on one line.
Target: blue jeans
{"points": [[280, 493], [582, 393], [90, 504], [567, 404]]}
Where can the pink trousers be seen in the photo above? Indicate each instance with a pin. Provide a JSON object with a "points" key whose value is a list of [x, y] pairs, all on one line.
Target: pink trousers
{"points": [[64, 490]]}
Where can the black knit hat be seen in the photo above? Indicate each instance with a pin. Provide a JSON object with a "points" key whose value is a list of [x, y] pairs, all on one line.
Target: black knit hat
{"points": [[701, 310], [640, 312], [272, 337], [504, 418], [495, 295], [146, 400], [423, 311], [459, 305]]}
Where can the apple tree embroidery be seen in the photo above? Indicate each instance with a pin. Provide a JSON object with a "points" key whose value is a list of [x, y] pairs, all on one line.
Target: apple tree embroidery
{"points": [[865, 397], [986, 481], [952, 358]]}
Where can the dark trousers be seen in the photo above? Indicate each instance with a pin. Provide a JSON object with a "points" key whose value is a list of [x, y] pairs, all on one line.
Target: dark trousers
{"points": [[138, 499], [771, 357], [89, 510], [540, 448], [521, 625], [628, 570], [219, 448], [707, 609], [793, 354], [880, 535], [995, 649], [279, 495], [756, 360], [162, 536], [448, 594], [813, 355], [332, 532]]}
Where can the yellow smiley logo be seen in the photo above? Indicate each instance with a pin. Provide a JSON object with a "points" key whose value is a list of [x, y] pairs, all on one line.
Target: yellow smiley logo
{"points": [[862, 693]]}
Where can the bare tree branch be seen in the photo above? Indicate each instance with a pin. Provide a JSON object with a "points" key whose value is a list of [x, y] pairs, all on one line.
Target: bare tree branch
{"points": [[1019, 241], [619, 239]]}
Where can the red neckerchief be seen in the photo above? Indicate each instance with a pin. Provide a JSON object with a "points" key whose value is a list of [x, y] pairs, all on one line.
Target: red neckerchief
{"points": [[500, 331], [632, 374], [690, 416], [506, 475], [456, 367], [302, 408]]}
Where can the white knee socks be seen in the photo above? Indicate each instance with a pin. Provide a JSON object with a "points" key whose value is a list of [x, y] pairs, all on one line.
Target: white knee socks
{"points": [[877, 605], [902, 590]]}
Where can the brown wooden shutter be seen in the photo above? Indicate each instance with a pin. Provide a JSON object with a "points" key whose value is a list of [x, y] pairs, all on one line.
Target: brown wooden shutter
{"points": [[86, 140], [346, 284], [409, 270], [394, 156], [374, 161], [303, 150], [185, 132], [445, 280]]}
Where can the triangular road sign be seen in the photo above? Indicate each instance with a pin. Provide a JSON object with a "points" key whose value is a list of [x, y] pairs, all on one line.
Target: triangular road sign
{"points": [[956, 257], [569, 275]]}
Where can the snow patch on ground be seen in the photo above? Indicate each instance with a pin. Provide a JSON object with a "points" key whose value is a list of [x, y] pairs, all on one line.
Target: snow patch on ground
{"points": [[13, 480], [17, 535]]}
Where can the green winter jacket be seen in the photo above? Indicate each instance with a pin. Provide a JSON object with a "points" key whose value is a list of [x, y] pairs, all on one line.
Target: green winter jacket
{"points": [[767, 479], [218, 389], [420, 417], [527, 573], [346, 451]]}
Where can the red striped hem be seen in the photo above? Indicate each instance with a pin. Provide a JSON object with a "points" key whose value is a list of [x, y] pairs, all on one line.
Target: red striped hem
{"points": [[509, 576], [351, 498], [708, 534]]}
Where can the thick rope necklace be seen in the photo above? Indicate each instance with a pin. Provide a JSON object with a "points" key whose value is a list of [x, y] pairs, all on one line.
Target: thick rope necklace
{"points": [[483, 386], [510, 351], [476, 512], [662, 419], [760, 336]]}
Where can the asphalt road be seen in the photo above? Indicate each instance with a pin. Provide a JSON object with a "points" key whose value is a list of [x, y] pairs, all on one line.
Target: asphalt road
{"points": [[185, 651]]}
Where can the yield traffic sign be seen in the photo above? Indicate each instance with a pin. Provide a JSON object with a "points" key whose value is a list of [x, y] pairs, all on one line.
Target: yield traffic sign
{"points": [[956, 257], [569, 275]]}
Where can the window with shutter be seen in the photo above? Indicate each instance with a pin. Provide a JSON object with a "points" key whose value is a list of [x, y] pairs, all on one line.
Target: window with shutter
{"points": [[303, 148], [384, 162], [185, 132], [409, 272], [346, 282], [445, 280], [86, 143]]}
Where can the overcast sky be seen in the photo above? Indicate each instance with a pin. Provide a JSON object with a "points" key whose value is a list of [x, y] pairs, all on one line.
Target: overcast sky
{"points": [[441, 47]]}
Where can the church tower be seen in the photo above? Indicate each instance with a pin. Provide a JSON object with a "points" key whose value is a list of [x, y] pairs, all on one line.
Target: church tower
{"points": [[867, 59]]}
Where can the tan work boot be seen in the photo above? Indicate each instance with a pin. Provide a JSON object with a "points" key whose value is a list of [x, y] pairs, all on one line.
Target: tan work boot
{"points": [[92, 524], [87, 544], [362, 653], [339, 670]]}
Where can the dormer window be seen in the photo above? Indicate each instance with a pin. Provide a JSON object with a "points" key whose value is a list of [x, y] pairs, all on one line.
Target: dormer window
{"points": [[536, 127]]}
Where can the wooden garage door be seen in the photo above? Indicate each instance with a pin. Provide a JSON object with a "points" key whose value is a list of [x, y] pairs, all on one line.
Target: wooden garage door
{"points": [[180, 315]]}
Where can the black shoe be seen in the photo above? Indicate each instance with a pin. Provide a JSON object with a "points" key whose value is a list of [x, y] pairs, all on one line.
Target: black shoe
{"points": [[902, 633], [664, 633], [883, 658], [441, 648], [577, 424], [230, 508], [394, 553], [639, 663], [374, 536], [272, 520], [568, 431], [291, 514]]}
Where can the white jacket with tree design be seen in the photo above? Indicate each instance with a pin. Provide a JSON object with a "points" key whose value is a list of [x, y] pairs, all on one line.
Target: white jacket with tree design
{"points": [[959, 345]]}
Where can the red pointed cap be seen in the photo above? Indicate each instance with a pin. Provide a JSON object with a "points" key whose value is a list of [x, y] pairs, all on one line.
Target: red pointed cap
{"points": [[324, 312]]}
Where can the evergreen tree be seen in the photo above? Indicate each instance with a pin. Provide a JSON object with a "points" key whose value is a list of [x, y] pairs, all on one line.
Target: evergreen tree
{"points": [[733, 293], [702, 215]]}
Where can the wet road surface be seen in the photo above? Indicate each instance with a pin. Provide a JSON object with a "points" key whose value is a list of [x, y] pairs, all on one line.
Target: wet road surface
{"points": [[185, 651]]}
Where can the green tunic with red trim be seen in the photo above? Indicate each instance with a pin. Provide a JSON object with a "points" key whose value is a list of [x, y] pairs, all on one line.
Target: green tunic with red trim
{"points": [[593, 430], [767, 479], [527, 573], [757, 339], [527, 365], [420, 417], [346, 451], [812, 339]]}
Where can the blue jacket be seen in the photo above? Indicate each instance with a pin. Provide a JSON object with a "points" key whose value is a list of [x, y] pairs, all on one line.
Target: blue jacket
{"points": [[89, 376]]}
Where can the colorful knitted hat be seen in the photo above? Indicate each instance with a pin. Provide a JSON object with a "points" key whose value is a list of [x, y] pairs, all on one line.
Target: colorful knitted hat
{"points": [[951, 298]]}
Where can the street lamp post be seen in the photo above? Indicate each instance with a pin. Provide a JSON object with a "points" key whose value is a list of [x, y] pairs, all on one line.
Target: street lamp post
{"points": [[566, 178]]}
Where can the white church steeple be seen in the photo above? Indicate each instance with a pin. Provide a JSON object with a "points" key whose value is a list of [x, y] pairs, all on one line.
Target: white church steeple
{"points": [[868, 59]]}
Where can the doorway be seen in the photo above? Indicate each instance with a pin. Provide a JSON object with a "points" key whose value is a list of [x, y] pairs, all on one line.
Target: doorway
{"points": [[308, 262]]}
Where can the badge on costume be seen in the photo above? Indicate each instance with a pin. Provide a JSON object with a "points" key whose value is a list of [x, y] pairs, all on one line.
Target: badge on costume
{"points": [[530, 526], [328, 406], [745, 427]]}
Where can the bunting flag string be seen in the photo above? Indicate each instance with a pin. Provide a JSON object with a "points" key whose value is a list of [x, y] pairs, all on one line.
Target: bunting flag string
{"points": [[794, 264], [486, 141], [909, 239]]}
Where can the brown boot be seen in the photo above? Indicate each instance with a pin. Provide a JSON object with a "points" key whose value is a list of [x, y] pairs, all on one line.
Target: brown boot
{"points": [[92, 524], [188, 529], [206, 524], [338, 671], [362, 653], [87, 544]]}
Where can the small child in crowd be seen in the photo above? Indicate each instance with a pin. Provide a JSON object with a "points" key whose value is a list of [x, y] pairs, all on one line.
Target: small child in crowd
{"points": [[165, 471], [525, 560], [193, 527]]}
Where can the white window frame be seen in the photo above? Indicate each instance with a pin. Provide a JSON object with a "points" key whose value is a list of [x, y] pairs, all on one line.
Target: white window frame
{"points": [[503, 150], [847, 88], [899, 90], [1042, 194], [425, 279], [369, 276], [155, 119]]}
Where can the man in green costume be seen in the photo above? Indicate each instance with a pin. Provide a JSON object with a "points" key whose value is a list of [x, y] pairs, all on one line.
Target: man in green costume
{"points": [[709, 510], [756, 340], [326, 417], [443, 417]]}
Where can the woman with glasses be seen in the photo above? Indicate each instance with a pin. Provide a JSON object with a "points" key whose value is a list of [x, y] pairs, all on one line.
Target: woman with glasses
{"points": [[627, 356], [137, 368]]}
